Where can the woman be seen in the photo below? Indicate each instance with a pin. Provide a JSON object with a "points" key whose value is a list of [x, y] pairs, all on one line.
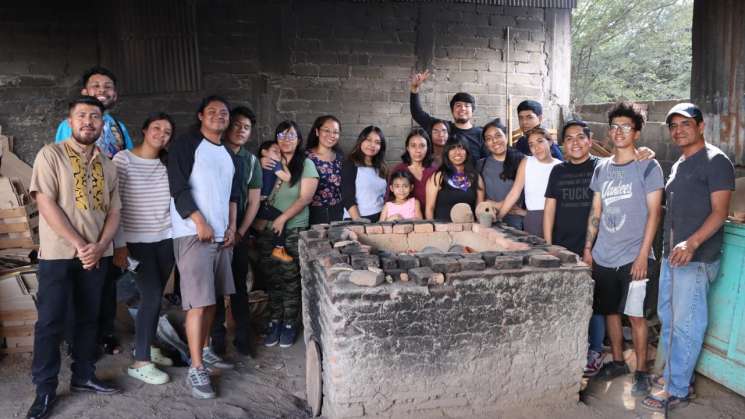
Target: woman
{"points": [[499, 170], [293, 199], [532, 175], [439, 135], [417, 160], [456, 181], [324, 152], [145, 235], [363, 176]]}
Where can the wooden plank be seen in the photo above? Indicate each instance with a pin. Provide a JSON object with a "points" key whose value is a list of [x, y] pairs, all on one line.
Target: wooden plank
{"points": [[26, 243], [17, 350], [18, 211], [18, 315], [22, 227], [17, 331]]}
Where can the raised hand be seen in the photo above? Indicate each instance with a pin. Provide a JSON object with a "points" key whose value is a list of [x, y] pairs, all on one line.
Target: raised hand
{"points": [[418, 79]]}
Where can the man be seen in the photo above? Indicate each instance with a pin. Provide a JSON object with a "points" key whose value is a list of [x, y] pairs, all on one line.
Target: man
{"points": [[698, 194], [76, 190], [100, 83], [529, 116], [203, 176], [567, 208], [624, 217], [242, 120], [462, 106]]}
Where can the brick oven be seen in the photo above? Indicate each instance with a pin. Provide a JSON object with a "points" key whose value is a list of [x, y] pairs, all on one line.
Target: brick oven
{"points": [[440, 319]]}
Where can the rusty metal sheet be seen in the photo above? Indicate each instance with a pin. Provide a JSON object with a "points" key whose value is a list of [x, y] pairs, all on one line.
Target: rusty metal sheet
{"points": [[553, 4], [718, 72]]}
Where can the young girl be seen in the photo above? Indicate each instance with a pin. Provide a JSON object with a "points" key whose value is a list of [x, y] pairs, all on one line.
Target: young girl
{"points": [[267, 211], [403, 206]]}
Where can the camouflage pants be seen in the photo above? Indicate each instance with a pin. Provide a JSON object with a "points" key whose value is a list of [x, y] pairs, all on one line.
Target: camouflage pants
{"points": [[282, 279]]}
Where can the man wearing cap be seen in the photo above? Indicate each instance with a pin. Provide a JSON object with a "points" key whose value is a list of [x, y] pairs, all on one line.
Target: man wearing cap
{"points": [[529, 116], [462, 106], [697, 195]]}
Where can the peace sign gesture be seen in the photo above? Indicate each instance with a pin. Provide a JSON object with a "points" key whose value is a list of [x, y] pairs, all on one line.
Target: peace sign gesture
{"points": [[417, 79]]}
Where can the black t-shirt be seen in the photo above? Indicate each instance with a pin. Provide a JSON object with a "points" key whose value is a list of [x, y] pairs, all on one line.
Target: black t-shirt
{"points": [[691, 182], [569, 185]]}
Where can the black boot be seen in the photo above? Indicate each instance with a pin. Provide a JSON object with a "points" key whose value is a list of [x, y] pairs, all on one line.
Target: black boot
{"points": [[42, 406]]}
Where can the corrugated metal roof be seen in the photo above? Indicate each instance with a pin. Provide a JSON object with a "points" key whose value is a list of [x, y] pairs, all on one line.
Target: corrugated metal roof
{"points": [[552, 4]]}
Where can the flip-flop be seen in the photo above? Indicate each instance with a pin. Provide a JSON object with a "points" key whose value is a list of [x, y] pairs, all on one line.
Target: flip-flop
{"points": [[657, 403], [658, 383]]}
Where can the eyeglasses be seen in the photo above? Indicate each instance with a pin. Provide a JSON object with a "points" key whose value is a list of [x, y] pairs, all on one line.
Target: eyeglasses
{"points": [[286, 136], [490, 138], [329, 131], [625, 128]]}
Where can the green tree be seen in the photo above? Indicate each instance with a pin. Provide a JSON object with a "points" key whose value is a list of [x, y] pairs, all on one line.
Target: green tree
{"points": [[631, 49]]}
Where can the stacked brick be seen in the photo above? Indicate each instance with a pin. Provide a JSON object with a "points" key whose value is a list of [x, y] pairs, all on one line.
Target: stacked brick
{"points": [[456, 320]]}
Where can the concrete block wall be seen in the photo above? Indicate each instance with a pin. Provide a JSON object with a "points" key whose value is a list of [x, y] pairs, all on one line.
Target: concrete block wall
{"points": [[500, 330], [296, 59]]}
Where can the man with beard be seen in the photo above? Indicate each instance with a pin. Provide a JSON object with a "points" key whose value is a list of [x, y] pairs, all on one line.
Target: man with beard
{"points": [[76, 190], [462, 106], [100, 83]]}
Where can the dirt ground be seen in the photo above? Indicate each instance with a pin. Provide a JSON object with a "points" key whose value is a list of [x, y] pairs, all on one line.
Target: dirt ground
{"points": [[273, 386]]}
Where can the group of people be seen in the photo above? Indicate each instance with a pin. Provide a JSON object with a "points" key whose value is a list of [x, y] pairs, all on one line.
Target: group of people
{"points": [[194, 203]]}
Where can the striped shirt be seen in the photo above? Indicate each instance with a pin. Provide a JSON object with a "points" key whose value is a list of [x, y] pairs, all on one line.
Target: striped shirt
{"points": [[145, 196]]}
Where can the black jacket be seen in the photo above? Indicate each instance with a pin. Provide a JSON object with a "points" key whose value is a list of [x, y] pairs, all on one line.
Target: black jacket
{"points": [[180, 164]]}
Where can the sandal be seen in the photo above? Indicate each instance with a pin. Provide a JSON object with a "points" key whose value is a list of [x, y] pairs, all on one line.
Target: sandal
{"points": [[657, 403], [149, 374], [658, 383]]}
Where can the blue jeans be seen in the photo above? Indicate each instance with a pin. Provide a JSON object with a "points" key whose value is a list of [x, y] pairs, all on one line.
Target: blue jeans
{"points": [[597, 332], [687, 313]]}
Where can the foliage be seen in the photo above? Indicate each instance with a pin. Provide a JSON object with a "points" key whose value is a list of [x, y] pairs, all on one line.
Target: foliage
{"points": [[631, 49]]}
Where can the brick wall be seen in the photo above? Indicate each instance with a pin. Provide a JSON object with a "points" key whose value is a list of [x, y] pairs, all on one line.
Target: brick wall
{"points": [[297, 59]]}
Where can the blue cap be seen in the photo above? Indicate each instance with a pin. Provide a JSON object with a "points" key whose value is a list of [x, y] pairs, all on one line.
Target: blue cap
{"points": [[689, 110]]}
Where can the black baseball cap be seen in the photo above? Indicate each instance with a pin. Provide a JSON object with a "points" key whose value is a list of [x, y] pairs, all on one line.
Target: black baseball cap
{"points": [[689, 110]]}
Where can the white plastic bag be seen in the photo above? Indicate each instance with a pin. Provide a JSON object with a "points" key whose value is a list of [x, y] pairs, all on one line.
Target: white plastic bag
{"points": [[635, 298]]}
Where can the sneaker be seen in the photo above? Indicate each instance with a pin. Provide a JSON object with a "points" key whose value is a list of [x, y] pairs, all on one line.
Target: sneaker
{"points": [[612, 370], [594, 362], [149, 373], [199, 380], [210, 358], [287, 336], [157, 357], [642, 384], [272, 334], [280, 254]]}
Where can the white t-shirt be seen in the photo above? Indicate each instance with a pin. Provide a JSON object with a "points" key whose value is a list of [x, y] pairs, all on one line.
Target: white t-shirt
{"points": [[536, 181], [211, 181]]}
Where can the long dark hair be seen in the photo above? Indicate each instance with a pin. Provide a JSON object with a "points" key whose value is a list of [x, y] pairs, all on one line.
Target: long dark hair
{"points": [[512, 157], [447, 169], [358, 157], [295, 165], [418, 132], [317, 124], [160, 116]]}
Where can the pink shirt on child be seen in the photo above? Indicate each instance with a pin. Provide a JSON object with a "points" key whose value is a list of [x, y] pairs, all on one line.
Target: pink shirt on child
{"points": [[407, 210]]}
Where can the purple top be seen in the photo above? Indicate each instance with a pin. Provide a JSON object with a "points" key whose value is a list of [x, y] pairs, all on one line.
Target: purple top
{"points": [[328, 192]]}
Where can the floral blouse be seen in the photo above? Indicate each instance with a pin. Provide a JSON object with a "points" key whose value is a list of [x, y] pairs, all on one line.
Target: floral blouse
{"points": [[328, 192]]}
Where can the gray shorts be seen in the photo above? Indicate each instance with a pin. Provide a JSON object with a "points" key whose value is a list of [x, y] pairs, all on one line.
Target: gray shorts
{"points": [[205, 270]]}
